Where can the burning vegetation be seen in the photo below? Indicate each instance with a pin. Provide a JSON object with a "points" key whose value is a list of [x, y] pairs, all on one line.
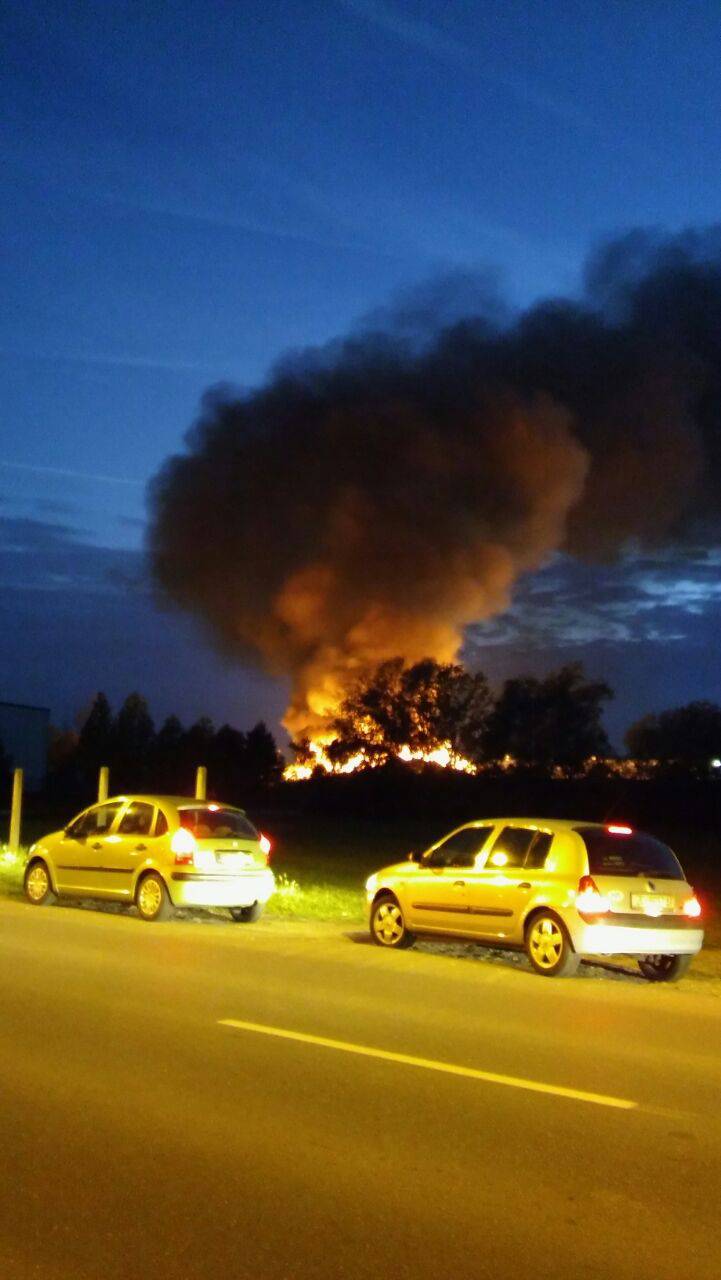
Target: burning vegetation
{"points": [[376, 496]]}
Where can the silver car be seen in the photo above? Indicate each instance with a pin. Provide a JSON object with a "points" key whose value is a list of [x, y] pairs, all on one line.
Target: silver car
{"points": [[158, 852], [560, 889]]}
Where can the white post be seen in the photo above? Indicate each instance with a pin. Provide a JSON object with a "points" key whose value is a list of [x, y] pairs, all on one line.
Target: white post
{"points": [[103, 783], [16, 810], [201, 782]]}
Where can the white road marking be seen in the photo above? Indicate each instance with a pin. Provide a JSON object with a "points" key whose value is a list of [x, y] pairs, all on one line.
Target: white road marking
{"points": [[431, 1064]]}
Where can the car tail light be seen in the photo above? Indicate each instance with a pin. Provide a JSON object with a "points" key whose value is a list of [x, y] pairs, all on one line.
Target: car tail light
{"points": [[265, 846], [615, 830], [589, 900], [183, 846], [692, 907]]}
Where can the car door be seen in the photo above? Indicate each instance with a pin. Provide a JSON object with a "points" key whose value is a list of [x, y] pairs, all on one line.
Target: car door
{"points": [[79, 855], [437, 894], [127, 847], [500, 887]]}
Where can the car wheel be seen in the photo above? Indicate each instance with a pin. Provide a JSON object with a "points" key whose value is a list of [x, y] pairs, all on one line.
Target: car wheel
{"points": [[38, 885], [151, 898], [548, 947], [388, 926], [246, 915], [664, 968]]}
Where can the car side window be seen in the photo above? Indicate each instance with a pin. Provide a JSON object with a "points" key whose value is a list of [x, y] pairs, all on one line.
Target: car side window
{"points": [[539, 850], [459, 849], [161, 824], [511, 847], [96, 822], [137, 819]]}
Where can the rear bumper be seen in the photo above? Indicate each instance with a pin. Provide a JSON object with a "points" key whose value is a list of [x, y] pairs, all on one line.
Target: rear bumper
{"points": [[680, 938], [196, 889]]}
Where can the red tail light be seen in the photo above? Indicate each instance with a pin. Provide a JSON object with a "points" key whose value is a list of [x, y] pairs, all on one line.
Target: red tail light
{"points": [[183, 846], [692, 907], [589, 900], [265, 846]]}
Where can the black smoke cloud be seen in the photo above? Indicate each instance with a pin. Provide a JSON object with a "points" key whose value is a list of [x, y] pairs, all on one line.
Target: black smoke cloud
{"points": [[377, 495]]}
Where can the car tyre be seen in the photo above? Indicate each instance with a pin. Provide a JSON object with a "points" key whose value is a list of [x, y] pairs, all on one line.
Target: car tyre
{"points": [[151, 898], [664, 968], [549, 948], [388, 925], [247, 915], [37, 884]]}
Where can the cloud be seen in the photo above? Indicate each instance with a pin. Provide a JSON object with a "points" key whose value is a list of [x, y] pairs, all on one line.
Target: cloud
{"points": [[54, 559], [427, 36]]}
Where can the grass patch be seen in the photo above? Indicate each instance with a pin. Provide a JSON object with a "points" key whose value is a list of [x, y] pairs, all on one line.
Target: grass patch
{"points": [[12, 869]]}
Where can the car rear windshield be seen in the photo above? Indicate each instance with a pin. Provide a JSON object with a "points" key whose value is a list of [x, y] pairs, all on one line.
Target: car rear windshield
{"points": [[628, 855], [220, 823]]}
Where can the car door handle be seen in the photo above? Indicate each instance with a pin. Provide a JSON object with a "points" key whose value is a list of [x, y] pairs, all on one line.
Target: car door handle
{"points": [[459, 884], [140, 848], [96, 846], [525, 885]]}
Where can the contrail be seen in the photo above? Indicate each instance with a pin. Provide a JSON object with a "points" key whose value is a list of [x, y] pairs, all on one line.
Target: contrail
{"points": [[70, 475]]}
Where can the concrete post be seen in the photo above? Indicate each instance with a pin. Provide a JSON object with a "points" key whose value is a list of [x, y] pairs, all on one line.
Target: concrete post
{"points": [[201, 782], [103, 783], [16, 810]]}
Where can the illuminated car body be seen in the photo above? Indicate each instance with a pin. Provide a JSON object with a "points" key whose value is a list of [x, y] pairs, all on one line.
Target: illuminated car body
{"points": [[561, 889], [159, 852]]}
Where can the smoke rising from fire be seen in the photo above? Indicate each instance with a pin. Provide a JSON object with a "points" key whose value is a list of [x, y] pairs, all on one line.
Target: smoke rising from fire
{"points": [[376, 496]]}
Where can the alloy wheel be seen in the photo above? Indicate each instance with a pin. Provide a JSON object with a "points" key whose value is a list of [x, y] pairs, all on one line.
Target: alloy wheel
{"points": [[37, 883]]}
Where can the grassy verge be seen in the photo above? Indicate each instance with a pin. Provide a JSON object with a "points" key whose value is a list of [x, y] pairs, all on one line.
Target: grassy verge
{"points": [[321, 865], [12, 867]]}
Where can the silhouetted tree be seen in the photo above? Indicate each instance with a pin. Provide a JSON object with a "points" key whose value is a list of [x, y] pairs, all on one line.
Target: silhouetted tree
{"points": [[133, 735], [227, 763], [423, 706], [263, 762], [168, 758], [6, 766], [95, 742], [555, 721], [687, 737]]}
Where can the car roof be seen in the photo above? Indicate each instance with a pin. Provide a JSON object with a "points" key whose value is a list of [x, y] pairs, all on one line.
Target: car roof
{"points": [[177, 802], [559, 824]]}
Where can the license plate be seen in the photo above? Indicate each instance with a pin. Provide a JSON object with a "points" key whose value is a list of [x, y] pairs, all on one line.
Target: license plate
{"points": [[652, 904], [234, 861]]}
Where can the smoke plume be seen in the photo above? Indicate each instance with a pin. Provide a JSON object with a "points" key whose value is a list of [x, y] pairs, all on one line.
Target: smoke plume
{"points": [[376, 496]]}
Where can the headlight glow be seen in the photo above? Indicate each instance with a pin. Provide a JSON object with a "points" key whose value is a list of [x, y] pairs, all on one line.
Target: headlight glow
{"points": [[371, 883]]}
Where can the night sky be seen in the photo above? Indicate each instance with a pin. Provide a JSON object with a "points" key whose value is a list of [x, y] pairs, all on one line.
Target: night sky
{"points": [[193, 189]]}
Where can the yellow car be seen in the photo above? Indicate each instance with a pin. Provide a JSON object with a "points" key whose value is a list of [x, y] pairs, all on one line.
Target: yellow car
{"points": [[158, 852], [560, 889]]}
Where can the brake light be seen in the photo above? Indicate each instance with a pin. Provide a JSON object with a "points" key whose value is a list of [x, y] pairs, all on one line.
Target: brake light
{"points": [[692, 908], [183, 846], [589, 900], [619, 831], [265, 846]]}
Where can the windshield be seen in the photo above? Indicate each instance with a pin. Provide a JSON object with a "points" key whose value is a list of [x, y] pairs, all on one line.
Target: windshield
{"points": [[205, 821], [628, 855]]}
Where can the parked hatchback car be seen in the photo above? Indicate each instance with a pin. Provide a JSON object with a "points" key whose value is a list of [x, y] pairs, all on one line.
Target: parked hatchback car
{"points": [[158, 852], [560, 889]]}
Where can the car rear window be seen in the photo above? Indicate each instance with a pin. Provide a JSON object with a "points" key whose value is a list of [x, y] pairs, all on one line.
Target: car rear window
{"points": [[628, 855], [221, 823]]}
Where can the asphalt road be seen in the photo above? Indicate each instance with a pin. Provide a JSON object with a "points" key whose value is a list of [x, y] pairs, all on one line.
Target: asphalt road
{"points": [[144, 1133]]}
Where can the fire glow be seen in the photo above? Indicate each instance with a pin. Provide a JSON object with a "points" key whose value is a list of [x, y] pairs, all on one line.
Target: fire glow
{"points": [[443, 756]]}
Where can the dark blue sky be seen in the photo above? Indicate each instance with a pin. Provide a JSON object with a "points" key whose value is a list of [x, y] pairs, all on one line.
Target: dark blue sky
{"points": [[193, 188]]}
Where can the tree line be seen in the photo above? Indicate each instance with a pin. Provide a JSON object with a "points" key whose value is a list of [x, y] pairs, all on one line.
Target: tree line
{"points": [[544, 724], [161, 761]]}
